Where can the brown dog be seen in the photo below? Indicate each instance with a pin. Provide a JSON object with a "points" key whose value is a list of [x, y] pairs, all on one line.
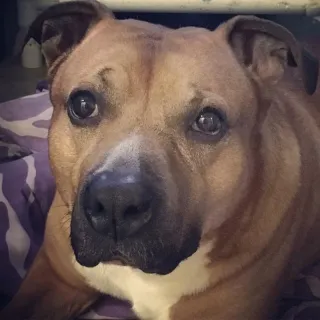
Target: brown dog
{"points": [[187, 167]]}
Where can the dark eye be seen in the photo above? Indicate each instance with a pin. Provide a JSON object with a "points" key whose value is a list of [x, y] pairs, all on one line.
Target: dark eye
{"points": [[82, 105], [210, 121]]}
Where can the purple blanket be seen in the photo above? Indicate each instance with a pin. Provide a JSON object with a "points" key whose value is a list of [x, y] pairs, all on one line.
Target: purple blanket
{"points": [[26, 192]]}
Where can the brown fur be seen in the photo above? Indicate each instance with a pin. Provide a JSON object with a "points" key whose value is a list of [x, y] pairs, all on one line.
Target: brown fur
{"points": [[255, 192]]}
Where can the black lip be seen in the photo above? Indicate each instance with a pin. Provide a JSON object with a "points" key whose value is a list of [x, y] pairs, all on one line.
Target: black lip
{"points": [[160, 271], [87, 261], [160, 268], [91, 262]]}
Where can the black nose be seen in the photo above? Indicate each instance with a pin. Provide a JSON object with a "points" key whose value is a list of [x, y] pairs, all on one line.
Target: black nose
{"points": [[117, 204]]}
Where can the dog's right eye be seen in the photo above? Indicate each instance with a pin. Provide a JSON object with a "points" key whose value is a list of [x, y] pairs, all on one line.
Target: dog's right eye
{"points": [[82, 105]]}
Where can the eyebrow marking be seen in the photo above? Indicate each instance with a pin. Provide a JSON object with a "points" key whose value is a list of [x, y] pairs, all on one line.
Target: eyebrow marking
{"points": [[103, 76]]}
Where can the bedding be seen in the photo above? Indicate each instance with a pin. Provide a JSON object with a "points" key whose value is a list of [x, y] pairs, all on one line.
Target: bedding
{"points": [[26, 192]]}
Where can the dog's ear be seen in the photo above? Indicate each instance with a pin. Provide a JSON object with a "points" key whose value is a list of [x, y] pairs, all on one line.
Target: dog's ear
{"points": [[267, 48], [61, 27]]}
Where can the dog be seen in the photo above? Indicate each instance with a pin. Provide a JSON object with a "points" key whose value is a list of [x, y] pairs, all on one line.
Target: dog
{"points": [[187, 166]]}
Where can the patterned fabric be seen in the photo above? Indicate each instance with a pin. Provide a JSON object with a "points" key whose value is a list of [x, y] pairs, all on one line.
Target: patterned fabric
{"points": [[26, 192]]}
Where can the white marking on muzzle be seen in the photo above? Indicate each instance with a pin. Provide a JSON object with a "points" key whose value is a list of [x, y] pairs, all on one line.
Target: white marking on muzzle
{"points": [[128, 151]]}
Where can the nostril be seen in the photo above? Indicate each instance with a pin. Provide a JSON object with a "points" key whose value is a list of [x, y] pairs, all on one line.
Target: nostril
{"points": [[99, 208], [94, 208], [97, 216], [131, 211], [134, 212]]}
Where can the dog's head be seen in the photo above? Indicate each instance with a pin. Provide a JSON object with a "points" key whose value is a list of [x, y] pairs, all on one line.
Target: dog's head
{"points": [[154, 132]]}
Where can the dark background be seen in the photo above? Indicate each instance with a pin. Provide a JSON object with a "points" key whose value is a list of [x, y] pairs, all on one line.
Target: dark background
{"points": [[299, 24]]}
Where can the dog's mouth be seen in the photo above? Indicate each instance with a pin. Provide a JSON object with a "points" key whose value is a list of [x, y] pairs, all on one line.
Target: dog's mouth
{"points": [[91, 260], [118, 259]]}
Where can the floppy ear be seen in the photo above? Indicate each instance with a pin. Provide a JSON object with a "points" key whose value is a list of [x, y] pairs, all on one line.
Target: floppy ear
{"points": [[266, 49], [62, 26]]}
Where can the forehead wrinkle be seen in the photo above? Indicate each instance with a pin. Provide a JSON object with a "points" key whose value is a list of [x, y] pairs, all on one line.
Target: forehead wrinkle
{"points": [[103, 75], [149, 56], [104, 82]]}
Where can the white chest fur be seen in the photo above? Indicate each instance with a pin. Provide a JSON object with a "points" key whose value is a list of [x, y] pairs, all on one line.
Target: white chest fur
{"points": [[151, 295]]}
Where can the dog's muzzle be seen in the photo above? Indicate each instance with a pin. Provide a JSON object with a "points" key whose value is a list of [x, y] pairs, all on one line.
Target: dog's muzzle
{"points": [[125, 214], [118, 204]]}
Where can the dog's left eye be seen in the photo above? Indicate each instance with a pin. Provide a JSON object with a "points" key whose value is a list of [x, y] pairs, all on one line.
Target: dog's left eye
{"points": [[210, 121], [82, 105]]}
